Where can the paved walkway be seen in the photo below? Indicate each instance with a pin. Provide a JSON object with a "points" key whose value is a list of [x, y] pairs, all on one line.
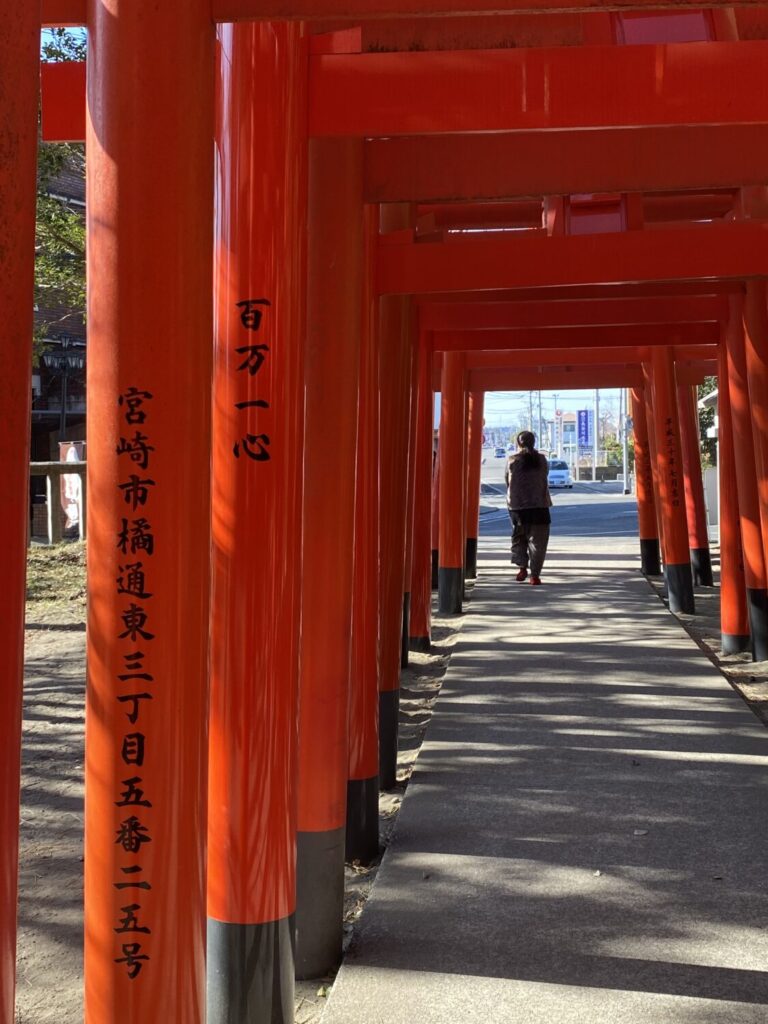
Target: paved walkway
{"points": [[584, 838]]}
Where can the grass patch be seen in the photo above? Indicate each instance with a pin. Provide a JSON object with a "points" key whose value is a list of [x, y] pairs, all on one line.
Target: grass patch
{"points": [[56, 574]]}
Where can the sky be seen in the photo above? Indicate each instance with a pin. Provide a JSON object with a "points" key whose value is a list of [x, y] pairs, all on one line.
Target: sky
{"points": [[503, 407]]}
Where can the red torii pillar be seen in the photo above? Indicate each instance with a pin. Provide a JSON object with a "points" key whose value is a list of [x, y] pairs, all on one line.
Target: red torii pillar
{"points": [[734, 619], [362, 832], [435, 525], [410, 499], [150, 244], [256, 506], [677, 564], [334, 320], [420, 627], [651, 425], [396, 329], [756, 344], [650, 559], [452, 484], [695, 506], [746, 480], [474, 447], [19, 88]]}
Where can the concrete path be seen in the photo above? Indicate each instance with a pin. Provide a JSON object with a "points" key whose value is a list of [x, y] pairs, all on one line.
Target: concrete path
{"points": [[584, 837]]}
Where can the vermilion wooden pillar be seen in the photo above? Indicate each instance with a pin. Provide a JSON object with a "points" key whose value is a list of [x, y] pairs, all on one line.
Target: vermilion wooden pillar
{"points": [[334, 315], [650, 419], [695, 506], [150, 243], [362, 832], [677, 565], [734, 619], [19, 88], [452, 494], [650, 560], [257, 487], [756, 345], [746, 481], [396, 327], [421, 578], [410, 497], [435, 531], [474, 460]]}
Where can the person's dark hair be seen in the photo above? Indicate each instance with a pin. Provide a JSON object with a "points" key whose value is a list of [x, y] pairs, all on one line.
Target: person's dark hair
{"points": [[526, 441]]}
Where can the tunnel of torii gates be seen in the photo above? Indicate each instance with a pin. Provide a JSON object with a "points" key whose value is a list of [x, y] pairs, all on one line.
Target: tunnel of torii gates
{"points": [[388, 200]]}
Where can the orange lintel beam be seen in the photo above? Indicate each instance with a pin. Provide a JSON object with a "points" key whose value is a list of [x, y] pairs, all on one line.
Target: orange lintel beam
{"points": [[529, 213], [700, 252], [480, 316], [651, 290], [63, 13], [344, 10], [382, 94], [696, 371], [524, 379], [568, 358], [605, 336], [428, 168], [521, 214]]}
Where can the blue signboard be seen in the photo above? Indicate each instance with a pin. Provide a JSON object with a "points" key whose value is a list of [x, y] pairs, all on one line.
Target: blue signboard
{"points": [[586, 427]]}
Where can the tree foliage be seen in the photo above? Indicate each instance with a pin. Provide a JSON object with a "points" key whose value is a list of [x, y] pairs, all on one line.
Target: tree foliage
{"points": [[706, 420], [60, 228]]}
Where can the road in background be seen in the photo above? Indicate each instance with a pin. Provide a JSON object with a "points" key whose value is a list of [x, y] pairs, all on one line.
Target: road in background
{"points": [[587, 510]]}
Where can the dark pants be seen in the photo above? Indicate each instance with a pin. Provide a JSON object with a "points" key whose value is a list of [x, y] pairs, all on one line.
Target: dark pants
{"points": [[529, 543]]}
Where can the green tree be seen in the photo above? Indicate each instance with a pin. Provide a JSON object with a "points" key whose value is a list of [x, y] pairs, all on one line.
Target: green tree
{"points": [[60, 228], [708, 445]]}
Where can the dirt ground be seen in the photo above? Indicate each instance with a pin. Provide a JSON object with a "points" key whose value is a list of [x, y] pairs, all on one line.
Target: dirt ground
{"points": [[748, 678], [50, 960]]}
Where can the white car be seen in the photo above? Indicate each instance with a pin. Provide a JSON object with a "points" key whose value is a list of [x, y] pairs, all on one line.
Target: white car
{"points": [[559, 474]]}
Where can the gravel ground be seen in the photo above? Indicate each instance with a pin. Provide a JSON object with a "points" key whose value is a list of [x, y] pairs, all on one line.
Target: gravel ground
{"points": [[749, 678]]}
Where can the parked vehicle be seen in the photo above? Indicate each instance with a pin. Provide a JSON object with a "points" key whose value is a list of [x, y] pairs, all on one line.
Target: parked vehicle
{"points": [[559, 474], [499, 453]]}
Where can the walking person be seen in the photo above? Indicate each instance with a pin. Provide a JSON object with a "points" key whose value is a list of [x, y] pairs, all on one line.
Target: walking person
{"points": [[529, 502]]}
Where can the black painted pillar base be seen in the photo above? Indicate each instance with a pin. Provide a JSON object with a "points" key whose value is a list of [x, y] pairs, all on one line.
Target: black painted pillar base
{"points": [[251, 972], [701, 564], [362, 836], [420, 643], [470, 559], [435, 563], [319, 902], [389, 709], [731, 643], [650, 558], [404, 646], [757, 606], [450, 590], [680, 588]]}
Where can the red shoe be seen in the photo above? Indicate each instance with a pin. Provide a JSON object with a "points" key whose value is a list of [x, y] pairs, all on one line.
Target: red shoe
{"points": [[535, 581], [522, 575]]}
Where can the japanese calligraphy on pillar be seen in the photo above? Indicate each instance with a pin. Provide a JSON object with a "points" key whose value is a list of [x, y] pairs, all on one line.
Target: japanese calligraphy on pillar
{"points": [[252, 443], [672, 463], [134, 681]]}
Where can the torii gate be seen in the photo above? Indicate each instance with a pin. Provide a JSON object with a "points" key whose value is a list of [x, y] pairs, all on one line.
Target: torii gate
{"points": [[151, 117]]}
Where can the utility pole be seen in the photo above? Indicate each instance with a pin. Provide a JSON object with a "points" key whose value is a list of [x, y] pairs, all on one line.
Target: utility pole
{"points": [[596, 435], [530, 410], [625, 440], [558, 421], [541, 424]]}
